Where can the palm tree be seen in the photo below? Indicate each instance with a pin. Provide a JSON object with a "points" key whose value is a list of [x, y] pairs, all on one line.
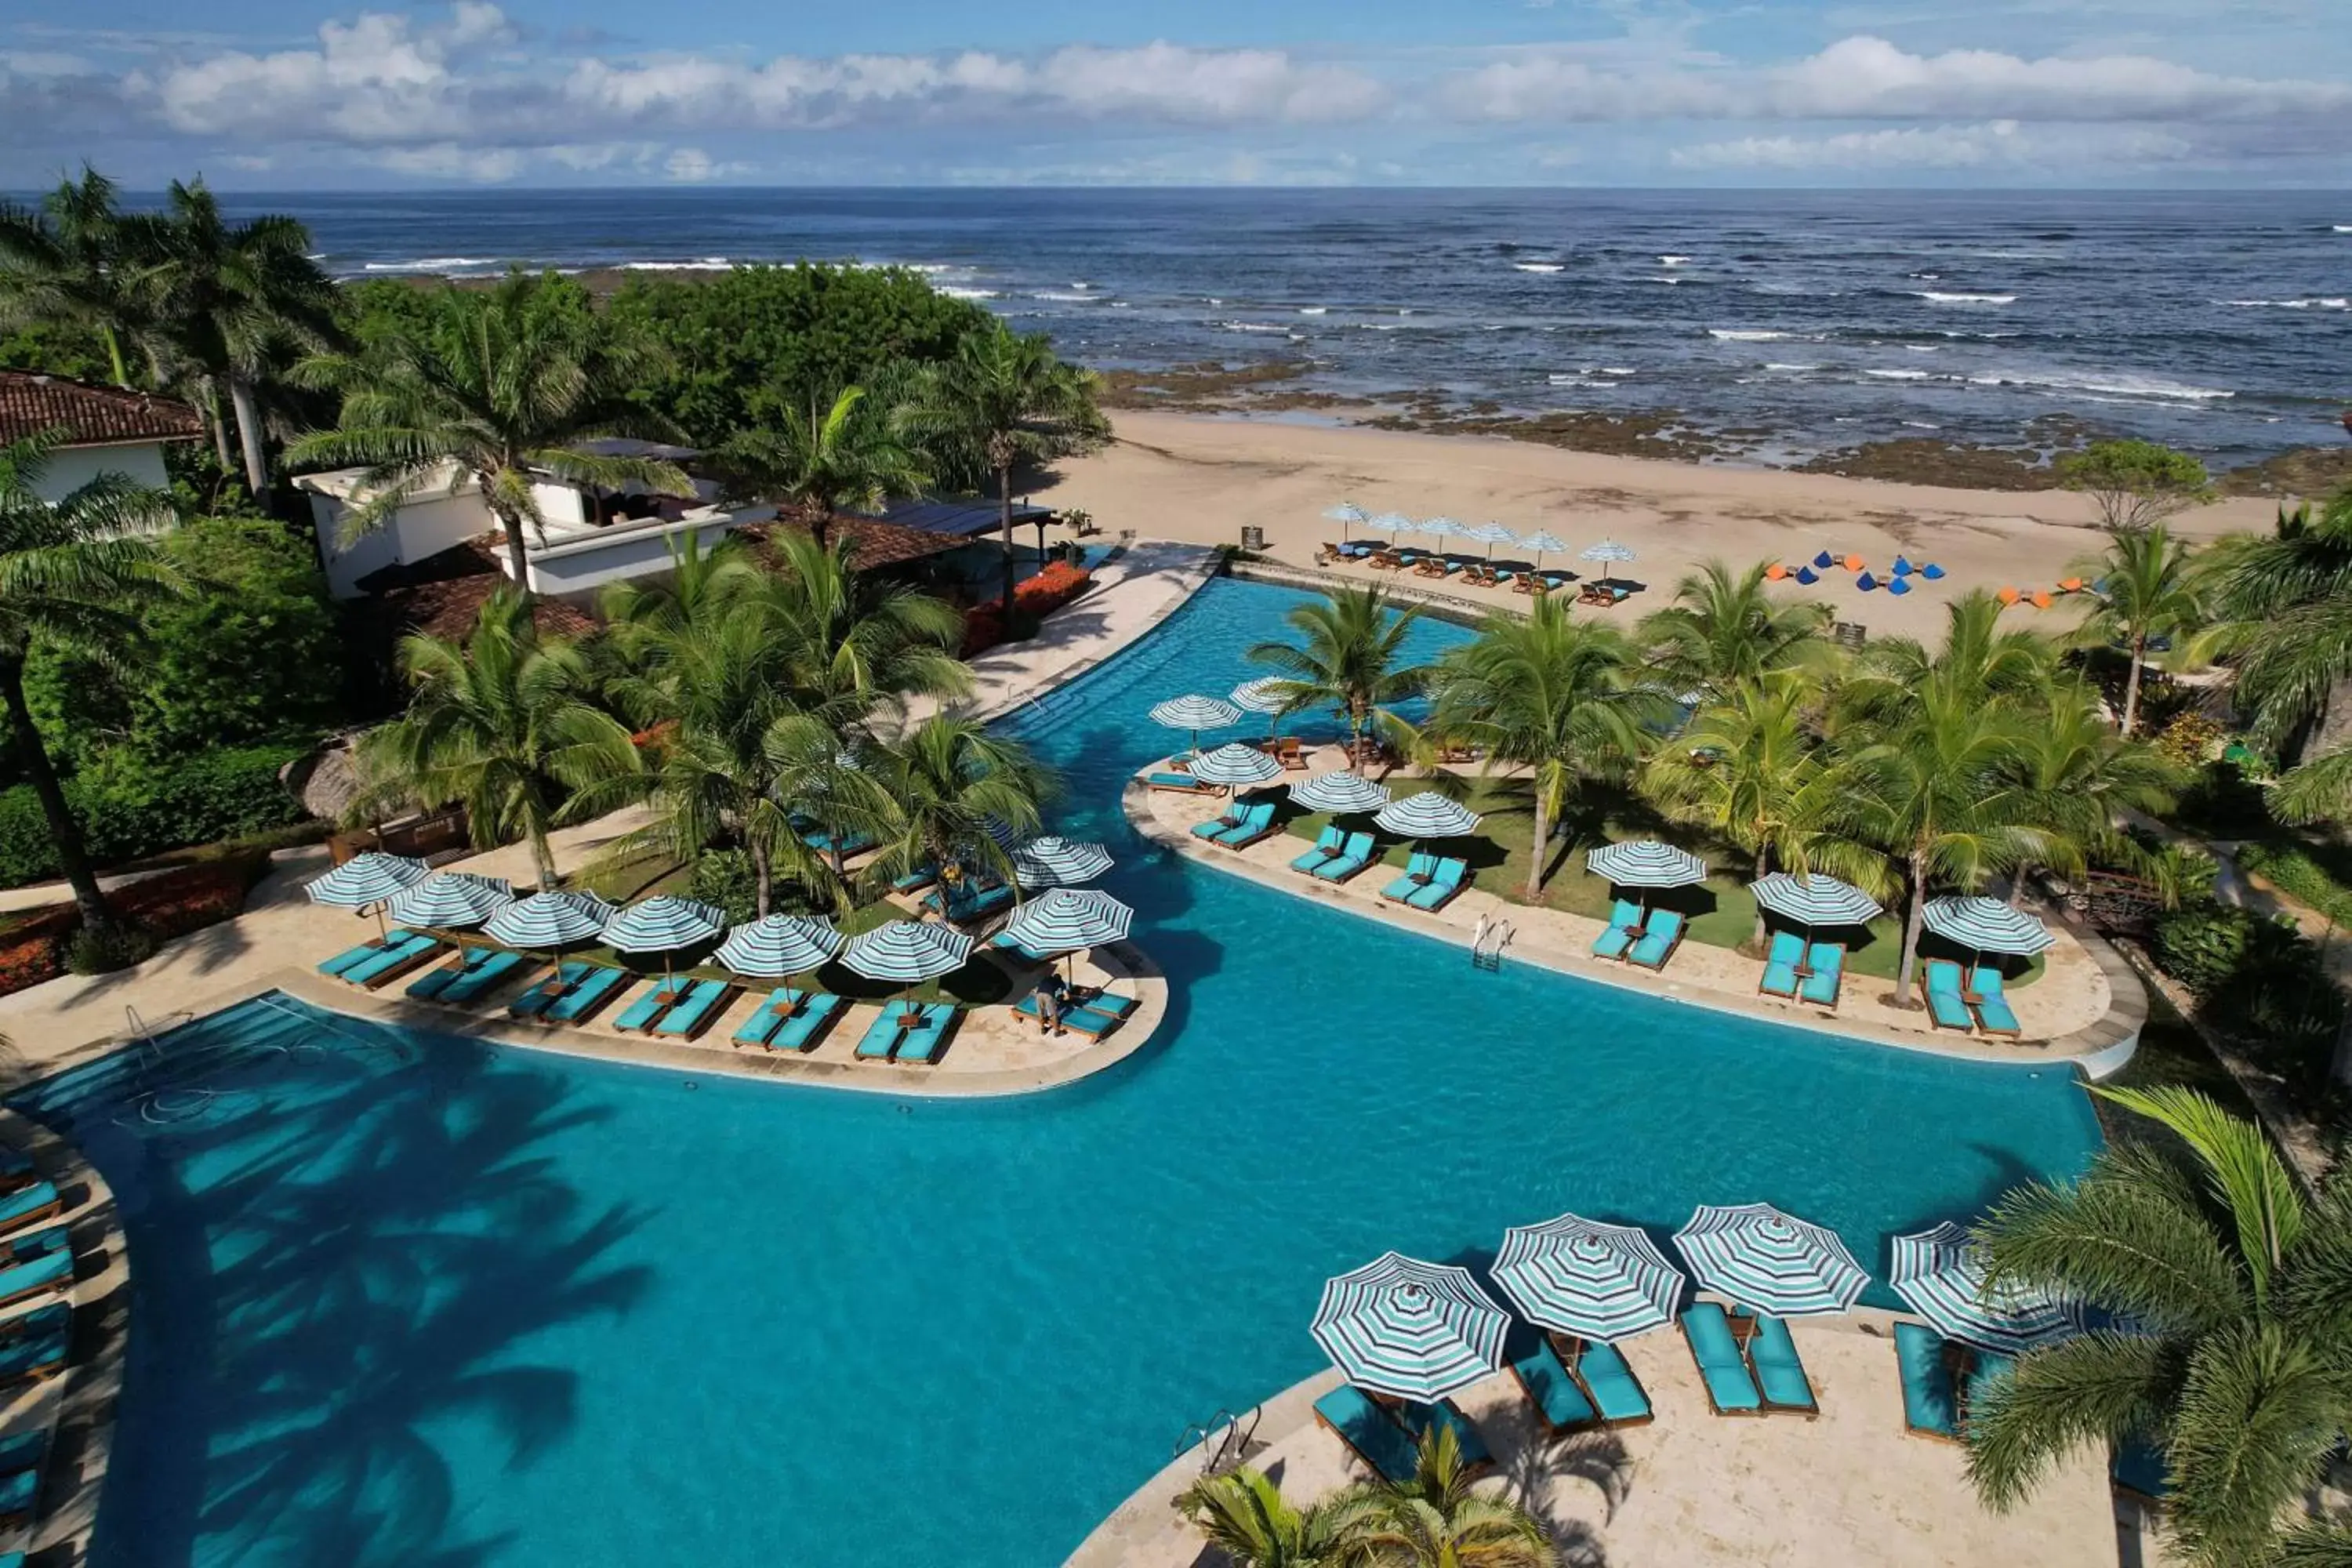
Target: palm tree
{"points": [[499, 724], [237, 297], [2230, 1291], [75, 258], [1435, 1521], [1979, 663], [1008, 397], [507, 385], [1723, 628], [833, 461], [1245, 1516], [2081, 778], [2146, 591], [73, 572], [947, 781], [2288, 597], [1551, 694], [855, 642], [1351, 642]]}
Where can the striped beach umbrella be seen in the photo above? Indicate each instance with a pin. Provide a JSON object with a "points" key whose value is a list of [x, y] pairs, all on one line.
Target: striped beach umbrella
{"points": [[1771, 1261], [1347, 514], [1193, 712], [1441, 528], [1543, 544], [1235, 765], [1941, 1274], [1266, 694], [452, 900], [549, 920], [663, 925], [1427, 816], [1051, 860], [1645, 863], [1606, 552], [1339, 794], [1389, 523], [1986, 925], [1064, 920], [363, 880], [776, 945], [906, 952], [1580, 1276], [1410, 1329], [1490, 535], [1815, 899]]}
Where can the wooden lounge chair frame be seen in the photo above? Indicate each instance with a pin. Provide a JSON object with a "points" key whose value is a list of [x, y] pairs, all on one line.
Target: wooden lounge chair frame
{"points": [[1927, 1001], [1682, 1326], [31, 1217], [1595, 1424], [407, 966], [1681, 931]]}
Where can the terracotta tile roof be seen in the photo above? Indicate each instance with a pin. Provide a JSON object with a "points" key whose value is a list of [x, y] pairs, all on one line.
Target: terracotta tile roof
{"points": [[442, 595], [90, 416], [874, 543]]}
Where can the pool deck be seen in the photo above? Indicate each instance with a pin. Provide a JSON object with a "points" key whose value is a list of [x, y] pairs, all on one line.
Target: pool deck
{"points": [[2087, 1007], [1694, 1489]]}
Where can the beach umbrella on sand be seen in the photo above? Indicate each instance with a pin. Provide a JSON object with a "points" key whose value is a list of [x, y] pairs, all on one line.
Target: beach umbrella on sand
{"points": [[1051, 860], [1235, 765], [1340, 793], [1389, 523], [907, 953], [373, 877], [1770, 1261], [663, 925], [776, 945], [1490, 535], [1064, 920], [1427, 816], [1410, 1329], [1347, 514], [549, 920], [1607, 551], [1903, 567], [1986, 925], [1543, 544], [1193, 712], [1825, 560], [1807, 576], [1815, 899], [1596, 1281], [1268, 694], [1941, 1274], [452, 900], [1899, 586], [1645, 863]]}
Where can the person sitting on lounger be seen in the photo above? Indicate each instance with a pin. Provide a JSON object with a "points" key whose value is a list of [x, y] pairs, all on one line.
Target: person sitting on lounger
{"points": [[1048, 992]]}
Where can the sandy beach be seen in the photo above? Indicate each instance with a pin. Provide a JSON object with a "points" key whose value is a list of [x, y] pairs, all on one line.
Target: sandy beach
{"points": [[1202, 480]]}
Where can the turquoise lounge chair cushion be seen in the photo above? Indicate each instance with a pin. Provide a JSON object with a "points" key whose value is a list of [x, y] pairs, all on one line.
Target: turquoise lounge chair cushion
{"points": [[353, 957], [480, 977], [1616, 1391], [582, 999], [1613, 943], [1992, 1004], [1218, 826], [926, 1039], [1365, 1428], [15, 1205], [1553, 1391], [1403, 887], [688, 1013], [916, 880], [780, 1006], [1327, 844], [1444, 882], [1779, 1371], [390, 958], [1626, 914], [542, 997], [42, 1261], [1930, 1404], [1353, 858], [1253, 823], [1827, 961], [1781, 964], [1176, 781], [1418, 1419], [1666, 926], [882, 1035], [662, 994], [1944, 975], [1720, 1364], [37, 1342], [2138, 1466], [801, 1029], [432, 981]]}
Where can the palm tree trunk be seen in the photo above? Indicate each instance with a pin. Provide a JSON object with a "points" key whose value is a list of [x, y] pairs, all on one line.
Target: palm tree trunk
{"points": [[1005, 504], [542, 855], [1763, 869], [517, 559], [1540, 849], [763, 876], [248, 435], [114, 355], [65, 832], [220, 428], [1913, 919], [2131, 685]]}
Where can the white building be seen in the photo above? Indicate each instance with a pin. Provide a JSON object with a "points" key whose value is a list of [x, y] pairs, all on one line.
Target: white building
{"points": [[588, 536], [105, 429]]}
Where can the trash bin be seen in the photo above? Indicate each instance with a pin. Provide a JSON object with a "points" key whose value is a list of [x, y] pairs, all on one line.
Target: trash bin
{"points": [[1253, 536]]}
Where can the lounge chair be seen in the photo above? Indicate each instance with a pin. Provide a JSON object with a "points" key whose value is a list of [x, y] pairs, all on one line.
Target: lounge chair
{"points": [[1006, 942], [1257, 822], [780, 1005], [1419, 1420], [390, 963], [1290, 753], [1610, 1384], [916, 880], [1369, 1432], [926, 1039], [694, 1011], [1660, 937], [16, 1169], [2139, 1470], [1418, 869], [1328, 845], [843, 844], [805, 1028], [1730, 1391], [1779, 1371], [41, 1264], [588, 993], [1216, 827], [29, 1205], [1931, 1405], [1986, 1369], [1939, 984], [538, 998], [1443, 887], [1624, 924], [1181, 783], [971, 901], [353, 957], [1989, 1003], [1354, 858], [1826, 959], [1560, 1400], [34, 1346], [20, 1476], [435, 984], [652, 1002], [1780, 976], [881, 1035], [1093, 1019]]}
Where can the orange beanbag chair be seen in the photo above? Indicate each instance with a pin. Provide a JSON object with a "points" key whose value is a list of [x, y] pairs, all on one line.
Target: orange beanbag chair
{"points": [[1776, 572], [1853, 563], [2008, 596], [2040, 601]]}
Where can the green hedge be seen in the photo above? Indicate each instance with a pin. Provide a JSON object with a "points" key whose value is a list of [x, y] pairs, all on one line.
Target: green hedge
{"points": [[128, 812]]}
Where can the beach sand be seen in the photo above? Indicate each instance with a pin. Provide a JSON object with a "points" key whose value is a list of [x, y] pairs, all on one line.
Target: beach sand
{"points": [[1203, 480]]}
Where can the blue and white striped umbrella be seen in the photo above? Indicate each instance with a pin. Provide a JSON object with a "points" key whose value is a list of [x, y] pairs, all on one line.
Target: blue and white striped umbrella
{"points": [[1645, 863], [1543, 544], [1606, 550], [1410, 1329], [1052, 862], [1490, 535], [1986, 925], [451, 901], [1580, 1276], [1441, 528], [1390, 522], [1339, 794], [1941, 1273], [364, 880], [1427, 816], [662, 924], [906, 952], [549, 920], [1773, 1262], [776, 945], [1064, 920], [1815, 899], [1236, 764], [1266, 694], [1193, 712], [1347, 514]]}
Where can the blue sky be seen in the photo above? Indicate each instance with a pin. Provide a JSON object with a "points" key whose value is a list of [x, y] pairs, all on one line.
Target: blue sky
{"points": [[282, 94]]}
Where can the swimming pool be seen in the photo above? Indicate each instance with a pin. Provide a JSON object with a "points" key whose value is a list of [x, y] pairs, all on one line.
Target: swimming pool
{"points": [[407, 1299]]}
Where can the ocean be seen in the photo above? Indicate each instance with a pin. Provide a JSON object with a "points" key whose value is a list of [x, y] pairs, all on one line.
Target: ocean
{"points": [[1781, 325]]}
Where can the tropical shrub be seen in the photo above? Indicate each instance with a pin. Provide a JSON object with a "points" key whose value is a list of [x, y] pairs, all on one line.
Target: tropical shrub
{"points": [[103, 952], [2192, 739], [727, 878], [45, 942], [130, 809], [2295, 871], [2259, 981]]}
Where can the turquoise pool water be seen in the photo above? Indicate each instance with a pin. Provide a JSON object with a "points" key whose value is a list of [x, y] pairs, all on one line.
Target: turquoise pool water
{"points": [[408, 1300]]}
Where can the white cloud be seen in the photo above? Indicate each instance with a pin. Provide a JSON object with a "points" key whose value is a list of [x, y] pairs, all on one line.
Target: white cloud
{"points": [[2001, 144], [449, 160]]}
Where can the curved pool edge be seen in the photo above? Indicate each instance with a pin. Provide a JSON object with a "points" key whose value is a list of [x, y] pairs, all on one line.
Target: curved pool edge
{"points": [[2097, 1050]]}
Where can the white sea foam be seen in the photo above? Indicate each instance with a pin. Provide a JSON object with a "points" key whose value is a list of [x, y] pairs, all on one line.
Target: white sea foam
{"points": [[1251, 326], [931, 266], [1919, 425], [954, 293], [707, 264], [430, 264], [1664, 277], [1066, 298], [2331, 302], [1314, 309], [1671, 260], [2120, 383], [1772, 366], [1617, 370], [1897, 374], [1745, 335], [1935, 298], [1923, 348], [2344, 228], [1539, 266]]}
